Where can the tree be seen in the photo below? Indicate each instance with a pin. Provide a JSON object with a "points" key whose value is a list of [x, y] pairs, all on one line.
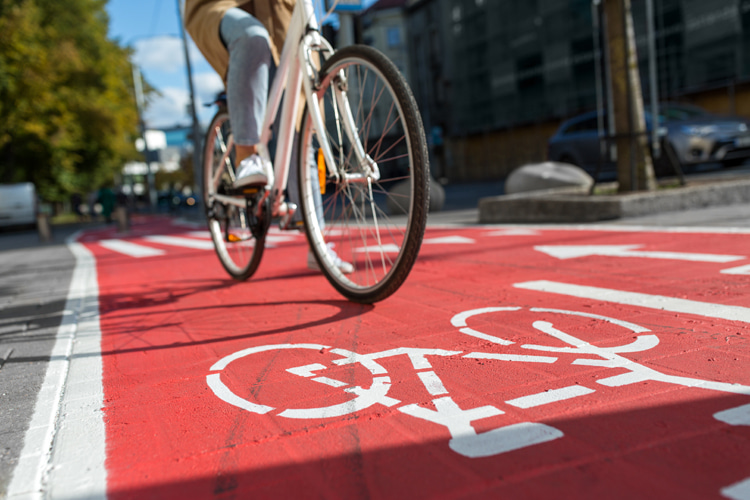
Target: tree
{"points": [[635, 169], [68, 119]]}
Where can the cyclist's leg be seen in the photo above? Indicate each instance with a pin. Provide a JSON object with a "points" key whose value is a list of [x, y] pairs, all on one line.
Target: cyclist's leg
{"points": [[247, 41]]}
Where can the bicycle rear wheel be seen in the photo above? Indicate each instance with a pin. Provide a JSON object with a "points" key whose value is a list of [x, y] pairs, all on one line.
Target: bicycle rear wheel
{"points": [[374, 222], [239, 250]]}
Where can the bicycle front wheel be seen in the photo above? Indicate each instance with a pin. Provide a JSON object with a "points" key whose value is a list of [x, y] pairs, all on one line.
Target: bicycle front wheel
{"points": [[366, 227], [239, 250]]}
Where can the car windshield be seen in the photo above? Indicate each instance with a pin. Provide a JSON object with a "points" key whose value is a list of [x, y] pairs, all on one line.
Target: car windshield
{"points": [[680, 113]]}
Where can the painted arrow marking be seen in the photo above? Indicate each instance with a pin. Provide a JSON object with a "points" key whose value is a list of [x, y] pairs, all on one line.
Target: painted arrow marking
{"points": [[572, 252], [737, 270]]}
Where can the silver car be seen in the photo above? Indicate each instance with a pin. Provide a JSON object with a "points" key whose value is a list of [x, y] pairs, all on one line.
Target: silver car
{"points": [[18, 204], [694, 136]]}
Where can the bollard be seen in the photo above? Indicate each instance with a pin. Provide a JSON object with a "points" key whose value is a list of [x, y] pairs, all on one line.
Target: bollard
{"points": [[42, 226], [123, 219]]}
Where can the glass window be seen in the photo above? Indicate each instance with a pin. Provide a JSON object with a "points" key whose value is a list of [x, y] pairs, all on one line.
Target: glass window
{"points": [[585, 125], [393, 36]]}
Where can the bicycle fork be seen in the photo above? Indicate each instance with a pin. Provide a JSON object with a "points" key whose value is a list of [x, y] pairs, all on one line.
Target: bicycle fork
{"points": [[344, 119]]}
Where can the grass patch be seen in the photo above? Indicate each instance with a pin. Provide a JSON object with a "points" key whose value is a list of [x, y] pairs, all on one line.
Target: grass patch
{"points": [[65, 218]]}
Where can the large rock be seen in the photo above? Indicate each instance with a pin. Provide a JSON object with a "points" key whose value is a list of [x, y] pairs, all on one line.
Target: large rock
{"points": [[547, 175], [401, 195]]}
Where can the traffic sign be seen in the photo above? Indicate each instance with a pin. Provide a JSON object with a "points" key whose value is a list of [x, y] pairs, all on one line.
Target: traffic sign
{"points": [[344, 5]]}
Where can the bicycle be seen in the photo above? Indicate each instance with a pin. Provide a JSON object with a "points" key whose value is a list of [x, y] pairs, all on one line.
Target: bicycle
{"points": [[362, 164]]}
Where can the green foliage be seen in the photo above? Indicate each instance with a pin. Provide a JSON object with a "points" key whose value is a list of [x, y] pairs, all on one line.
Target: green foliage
{"points": [[68, 118]]}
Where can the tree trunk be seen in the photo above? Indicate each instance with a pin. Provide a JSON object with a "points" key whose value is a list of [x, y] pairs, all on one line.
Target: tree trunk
{"points": [[635, 169]]}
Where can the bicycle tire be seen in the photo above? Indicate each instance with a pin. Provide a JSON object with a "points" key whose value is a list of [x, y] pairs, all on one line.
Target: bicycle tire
{"points": [[399, 199], [239, 251]]}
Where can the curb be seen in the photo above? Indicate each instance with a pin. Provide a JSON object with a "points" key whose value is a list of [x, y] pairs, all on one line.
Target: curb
{"points": [[573, 205]]}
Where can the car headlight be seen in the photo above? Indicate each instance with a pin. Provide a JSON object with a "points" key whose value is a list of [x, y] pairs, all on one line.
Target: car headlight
{"points": [[700, 130]]}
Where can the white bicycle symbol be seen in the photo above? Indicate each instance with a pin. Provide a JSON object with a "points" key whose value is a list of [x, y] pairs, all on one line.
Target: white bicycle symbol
{"points": [[464, 438]]}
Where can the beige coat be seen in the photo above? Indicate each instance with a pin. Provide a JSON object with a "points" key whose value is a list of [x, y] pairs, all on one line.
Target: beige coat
{"points": [[203, 17]]}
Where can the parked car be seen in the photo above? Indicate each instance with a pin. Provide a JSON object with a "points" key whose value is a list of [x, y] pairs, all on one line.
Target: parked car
{"points": [[173, 200], [18, 204], [694, 135]]}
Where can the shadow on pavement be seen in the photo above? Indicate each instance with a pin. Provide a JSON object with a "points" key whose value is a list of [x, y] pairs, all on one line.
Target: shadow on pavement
{"points": [[645, 450]]}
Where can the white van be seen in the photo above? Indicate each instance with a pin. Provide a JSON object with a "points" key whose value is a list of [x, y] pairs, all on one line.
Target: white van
{"points": [[18, 204]]}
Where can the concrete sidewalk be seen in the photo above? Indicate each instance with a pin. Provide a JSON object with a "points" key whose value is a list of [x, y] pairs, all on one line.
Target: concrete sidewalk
{"points": [[572, 205], [462, 205]]}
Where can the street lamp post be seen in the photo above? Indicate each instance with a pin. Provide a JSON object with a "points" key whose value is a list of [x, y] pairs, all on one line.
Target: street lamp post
{"points": [[197, 135], [138, 85]]}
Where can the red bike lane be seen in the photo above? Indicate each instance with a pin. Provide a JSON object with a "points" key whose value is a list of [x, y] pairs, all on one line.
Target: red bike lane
{"points": [[514, 362]]}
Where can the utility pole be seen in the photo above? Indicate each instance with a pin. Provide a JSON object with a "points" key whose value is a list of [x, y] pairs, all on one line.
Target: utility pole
{"points": [[197, 134], [635, 170], [138, 85]]}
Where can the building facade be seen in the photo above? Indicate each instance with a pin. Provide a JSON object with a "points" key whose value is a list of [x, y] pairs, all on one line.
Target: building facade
{"points": [[494, 78]]}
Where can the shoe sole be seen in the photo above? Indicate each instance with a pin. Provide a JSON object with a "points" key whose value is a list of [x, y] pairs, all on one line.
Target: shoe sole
{"points": [[251, 180]]}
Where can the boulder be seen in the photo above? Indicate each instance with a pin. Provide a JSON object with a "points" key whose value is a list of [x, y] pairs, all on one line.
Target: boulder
{"points": [[547, 175]]}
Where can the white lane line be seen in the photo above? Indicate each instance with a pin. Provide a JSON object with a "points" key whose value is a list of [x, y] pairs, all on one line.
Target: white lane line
{"points": [[449, 240], [200, 234], [432, 383], [511, 357], [178, 241], [392, 248], [732, 313], [551, 396], [737, 270], [513, 232], [130, 249], [271, 237], [738, 491], [282, 238], [66, 433]]}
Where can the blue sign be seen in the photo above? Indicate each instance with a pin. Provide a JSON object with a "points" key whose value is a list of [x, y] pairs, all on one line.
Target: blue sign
{"points": [[345, 5]]}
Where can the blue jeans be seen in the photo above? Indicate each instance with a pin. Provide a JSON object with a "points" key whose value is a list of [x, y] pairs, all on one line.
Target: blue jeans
{"points": [[247, 79], [250, 68]]}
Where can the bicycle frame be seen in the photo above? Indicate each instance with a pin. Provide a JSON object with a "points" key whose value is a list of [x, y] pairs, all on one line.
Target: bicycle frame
{"points": [[297, 71]]}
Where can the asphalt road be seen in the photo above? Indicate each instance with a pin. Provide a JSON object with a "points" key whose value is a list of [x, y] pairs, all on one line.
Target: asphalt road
{"points": [[34, 283]]}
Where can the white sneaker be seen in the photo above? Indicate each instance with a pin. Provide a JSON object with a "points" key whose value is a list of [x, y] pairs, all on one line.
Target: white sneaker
{"points": [[343, 265], [252, 171]]}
